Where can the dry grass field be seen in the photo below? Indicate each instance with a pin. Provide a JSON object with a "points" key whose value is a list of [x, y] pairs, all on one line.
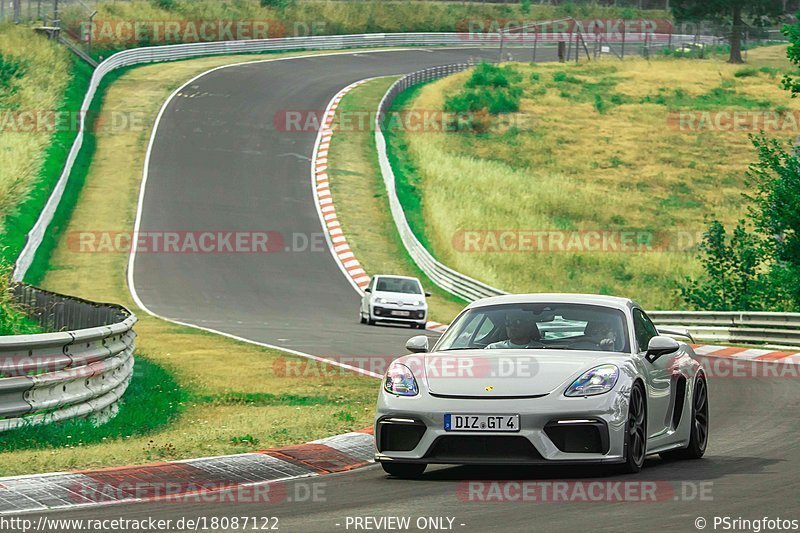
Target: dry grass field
{"points": [[34, 73], [594, 147]]}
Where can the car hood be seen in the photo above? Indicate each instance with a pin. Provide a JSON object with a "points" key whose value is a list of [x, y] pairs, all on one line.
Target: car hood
{"points": [[398, 298], [504, 373]]}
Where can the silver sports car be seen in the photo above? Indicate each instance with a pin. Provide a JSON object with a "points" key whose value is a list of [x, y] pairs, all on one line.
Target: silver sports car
{"points": [[543, 379]]}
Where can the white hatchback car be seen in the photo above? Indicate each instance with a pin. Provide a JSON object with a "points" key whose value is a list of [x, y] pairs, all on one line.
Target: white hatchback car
{"points": [[398, 299]]}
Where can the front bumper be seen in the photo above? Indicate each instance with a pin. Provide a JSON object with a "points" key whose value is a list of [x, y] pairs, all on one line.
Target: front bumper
{"points": [[393, 313], [592, 430]]}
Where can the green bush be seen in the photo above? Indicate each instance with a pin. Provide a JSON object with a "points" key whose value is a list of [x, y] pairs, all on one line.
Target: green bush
{"points": [[599, 104], [13, 319], [280, 4], [167, 5], [563, 77], [10, 70], [489, 88], [757, 266], [747, 72], [488, 75]]}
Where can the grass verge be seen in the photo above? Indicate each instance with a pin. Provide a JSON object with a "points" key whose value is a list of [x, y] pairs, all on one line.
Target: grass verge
{"points": [[48, 84], [361, 202], [152, 401], [594, 147], [13, 320], [238, 397]]}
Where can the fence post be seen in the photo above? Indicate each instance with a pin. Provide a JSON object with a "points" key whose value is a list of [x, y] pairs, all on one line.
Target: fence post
{"points": [[562, 51]]}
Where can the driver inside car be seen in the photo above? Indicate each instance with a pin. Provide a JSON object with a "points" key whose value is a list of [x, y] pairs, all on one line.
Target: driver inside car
{"points": [[522, 332], [603, 334]]}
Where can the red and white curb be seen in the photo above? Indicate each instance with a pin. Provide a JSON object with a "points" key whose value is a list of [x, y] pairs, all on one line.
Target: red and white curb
{"points": [[748, 354], [323, 198], [247, 478]]}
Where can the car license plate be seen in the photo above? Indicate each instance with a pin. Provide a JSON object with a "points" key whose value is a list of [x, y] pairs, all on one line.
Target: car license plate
{"points": [[401, 313], [454, 422]]}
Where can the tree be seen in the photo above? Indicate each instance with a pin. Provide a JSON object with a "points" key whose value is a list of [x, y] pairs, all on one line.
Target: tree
{"points": [[732, 12], [792, 32], [775, 180], [757, 267], [735, 279]]}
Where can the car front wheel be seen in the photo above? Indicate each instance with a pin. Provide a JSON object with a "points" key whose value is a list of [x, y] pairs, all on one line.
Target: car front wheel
{"points": [[635, 432]]}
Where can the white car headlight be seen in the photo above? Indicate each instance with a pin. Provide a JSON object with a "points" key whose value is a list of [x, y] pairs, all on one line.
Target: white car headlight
{"points": [[379, 300], [598, 380], [400, 380]]}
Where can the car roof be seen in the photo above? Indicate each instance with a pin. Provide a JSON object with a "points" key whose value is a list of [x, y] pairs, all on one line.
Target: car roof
{"points": [[586, 299], [394, 276]]}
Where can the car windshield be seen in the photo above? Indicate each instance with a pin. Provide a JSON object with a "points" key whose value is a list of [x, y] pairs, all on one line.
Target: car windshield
{"points": [[406, 286], [561, 326]]}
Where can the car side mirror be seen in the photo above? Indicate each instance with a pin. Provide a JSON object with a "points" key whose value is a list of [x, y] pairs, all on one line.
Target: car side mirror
{"points": [[427, 295], [659, 346], [418, 344], [367, 290]]}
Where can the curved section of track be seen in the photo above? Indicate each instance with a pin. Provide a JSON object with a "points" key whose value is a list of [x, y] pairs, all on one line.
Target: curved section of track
{"points": [[219, 164]]}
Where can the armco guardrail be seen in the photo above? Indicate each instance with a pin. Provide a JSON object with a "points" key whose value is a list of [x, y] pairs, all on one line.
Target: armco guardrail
{"points": [[448, 279], [80, 370], [780, 329], [138, 56]]}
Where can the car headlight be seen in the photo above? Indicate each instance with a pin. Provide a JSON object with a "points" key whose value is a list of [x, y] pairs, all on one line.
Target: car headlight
{"points": [[595, 381], [379, 300], [415, 303], [400, 380]]}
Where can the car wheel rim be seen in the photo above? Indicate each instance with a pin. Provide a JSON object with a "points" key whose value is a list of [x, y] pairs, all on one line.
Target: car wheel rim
{"points": [[637, 440], [701, 413]]}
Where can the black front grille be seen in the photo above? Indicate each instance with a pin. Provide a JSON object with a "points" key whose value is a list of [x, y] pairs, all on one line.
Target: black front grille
{"points": [[382, 311], [399, 437], [454, 448], [590, 437]]}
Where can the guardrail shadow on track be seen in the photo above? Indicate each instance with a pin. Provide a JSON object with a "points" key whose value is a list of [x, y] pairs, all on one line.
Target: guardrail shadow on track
{"points": [[80, 369]]}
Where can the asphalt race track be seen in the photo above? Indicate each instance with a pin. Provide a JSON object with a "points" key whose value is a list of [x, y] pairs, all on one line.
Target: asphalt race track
{"points": [[750, 470], [219, 164]]}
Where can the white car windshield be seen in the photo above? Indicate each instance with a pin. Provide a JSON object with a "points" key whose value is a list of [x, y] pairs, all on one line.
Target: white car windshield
{"points": [[402, 285], [560, 326]]}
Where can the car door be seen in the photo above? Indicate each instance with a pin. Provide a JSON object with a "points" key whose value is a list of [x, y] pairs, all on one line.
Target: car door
{"points": [[659, 376], [367, 296]]}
